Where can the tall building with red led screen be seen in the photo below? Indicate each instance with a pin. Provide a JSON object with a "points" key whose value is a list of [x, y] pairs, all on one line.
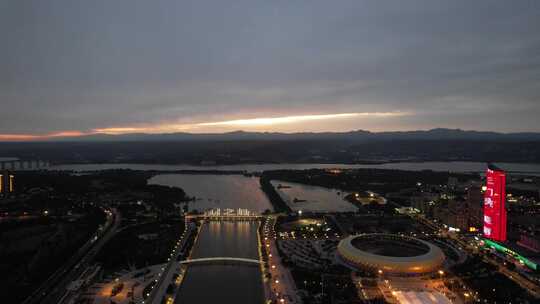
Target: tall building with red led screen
{"points": [[494, 204]]}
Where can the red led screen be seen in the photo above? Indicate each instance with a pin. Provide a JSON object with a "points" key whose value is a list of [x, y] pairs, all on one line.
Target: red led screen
{"points": [[494, 205]]}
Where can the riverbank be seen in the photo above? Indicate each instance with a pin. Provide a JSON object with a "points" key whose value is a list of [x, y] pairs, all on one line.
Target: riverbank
{"points": [[273, 196]]}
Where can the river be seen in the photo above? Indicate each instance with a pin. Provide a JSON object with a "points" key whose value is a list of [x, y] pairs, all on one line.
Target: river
{"points": [[313, 198], [218, 191], [208, 284]]}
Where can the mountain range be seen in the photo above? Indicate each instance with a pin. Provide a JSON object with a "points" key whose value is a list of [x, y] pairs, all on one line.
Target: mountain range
{"points": [[355, 136], [262, 147]]}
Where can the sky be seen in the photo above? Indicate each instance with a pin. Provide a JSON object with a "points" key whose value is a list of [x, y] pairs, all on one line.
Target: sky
{"points": [[74, 67]]}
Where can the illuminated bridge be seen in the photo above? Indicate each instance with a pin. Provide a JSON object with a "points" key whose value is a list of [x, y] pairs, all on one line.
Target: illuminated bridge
{"points": [[222, 260], [226, 214]]}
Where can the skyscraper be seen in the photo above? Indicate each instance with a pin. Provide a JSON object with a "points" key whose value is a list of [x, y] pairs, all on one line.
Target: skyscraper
{"points": [[7, 182], [494, 204]]}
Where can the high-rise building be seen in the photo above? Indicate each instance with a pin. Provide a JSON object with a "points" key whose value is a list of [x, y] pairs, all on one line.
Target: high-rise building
{"points": [[494, 204], [11, 183], [475, 207], [7, 182]]}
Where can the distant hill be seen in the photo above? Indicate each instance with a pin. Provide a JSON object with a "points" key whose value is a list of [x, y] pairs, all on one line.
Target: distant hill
{"points": [[359, 135], [253, 147]]}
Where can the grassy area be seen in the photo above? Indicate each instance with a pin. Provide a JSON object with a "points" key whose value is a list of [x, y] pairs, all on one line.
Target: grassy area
{"points": [[141, 245], [381, 181], [275, 199], [33, 250]]}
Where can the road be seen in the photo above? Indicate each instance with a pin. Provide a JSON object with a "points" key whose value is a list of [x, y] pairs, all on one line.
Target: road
{"points": [[52, 290], [532, 288], [166, 276], [282, 284], [518, 278]]}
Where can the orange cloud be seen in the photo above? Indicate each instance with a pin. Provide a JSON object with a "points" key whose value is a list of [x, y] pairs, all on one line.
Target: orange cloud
{"points": [[117, 130], [267, 121], [29, 137], [17, 137], [250, 122]]}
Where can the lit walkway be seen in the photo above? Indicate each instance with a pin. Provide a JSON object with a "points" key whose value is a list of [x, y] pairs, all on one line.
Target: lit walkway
{"points": [[221, 259]]}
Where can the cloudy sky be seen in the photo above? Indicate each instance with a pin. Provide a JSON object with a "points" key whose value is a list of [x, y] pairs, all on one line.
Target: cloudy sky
{"points": [[71, 67]]}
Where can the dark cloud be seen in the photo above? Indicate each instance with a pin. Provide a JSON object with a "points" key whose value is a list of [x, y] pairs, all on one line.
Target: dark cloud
{"points": [[80, 65]]}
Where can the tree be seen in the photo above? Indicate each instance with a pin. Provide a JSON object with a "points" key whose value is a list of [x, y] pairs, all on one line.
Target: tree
{"points": [[170, 289]]}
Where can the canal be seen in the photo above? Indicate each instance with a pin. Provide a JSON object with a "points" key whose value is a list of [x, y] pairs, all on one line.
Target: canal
{"points": [[215, 283], [224, 283]]}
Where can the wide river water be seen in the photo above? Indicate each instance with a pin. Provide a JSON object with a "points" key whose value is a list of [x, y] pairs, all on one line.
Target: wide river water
{"points": [[218, 191], [209, 284]]}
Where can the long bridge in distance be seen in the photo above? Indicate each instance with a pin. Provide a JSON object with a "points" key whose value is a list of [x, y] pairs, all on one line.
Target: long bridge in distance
{"points": [[18, 164], [228, 214]]}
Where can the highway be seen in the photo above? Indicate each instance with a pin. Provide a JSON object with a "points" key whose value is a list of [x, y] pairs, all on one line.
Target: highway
{"points": [[52, 290]]}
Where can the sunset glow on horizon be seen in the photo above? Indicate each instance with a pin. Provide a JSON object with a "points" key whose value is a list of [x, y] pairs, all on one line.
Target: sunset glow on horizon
{"points": [[247, 124], [30, 137], [295, 119], [116, 67]]}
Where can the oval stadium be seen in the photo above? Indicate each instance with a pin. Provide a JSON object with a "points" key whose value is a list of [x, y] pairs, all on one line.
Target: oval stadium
{"points": [[393, 254]]}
